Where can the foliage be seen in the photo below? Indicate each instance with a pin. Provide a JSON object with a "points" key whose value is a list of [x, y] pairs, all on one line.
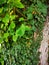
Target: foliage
{"points": [[19, 20], [36, 15]]}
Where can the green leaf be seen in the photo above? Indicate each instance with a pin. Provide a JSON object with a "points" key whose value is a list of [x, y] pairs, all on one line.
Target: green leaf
{"points": [[1, 61], [12, 25], [21, 19], [27, 28], [17, 1], [21, 30], [18, 47], [19, 5], [1, 9], [15, 37], [1, 40], [6, 35], [6, 19], [2, 25], [29, 16], [2, 2], [12, 17], [34, 28]]}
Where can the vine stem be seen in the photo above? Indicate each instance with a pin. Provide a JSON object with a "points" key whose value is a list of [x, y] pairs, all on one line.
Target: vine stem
{"points": [[20, 13]]}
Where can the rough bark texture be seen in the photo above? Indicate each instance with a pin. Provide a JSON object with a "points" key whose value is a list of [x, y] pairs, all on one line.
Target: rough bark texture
{"points": [[44, 44]]}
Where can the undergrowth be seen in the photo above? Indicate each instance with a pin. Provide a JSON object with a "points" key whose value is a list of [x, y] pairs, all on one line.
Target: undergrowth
{"points": [[21, 24]]}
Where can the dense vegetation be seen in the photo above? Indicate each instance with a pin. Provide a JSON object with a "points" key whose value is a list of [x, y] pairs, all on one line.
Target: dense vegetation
{"points": [[21, 24]]}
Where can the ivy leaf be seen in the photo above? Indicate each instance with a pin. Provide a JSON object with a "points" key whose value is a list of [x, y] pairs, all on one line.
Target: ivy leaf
{"points": [[18, 47], [15, 37], [12, 25], [21, 19], [19, 5], [34, 28], [21, 30], [6, 19], [27, 28], [6, 35], [29, 16], [12, 17]]}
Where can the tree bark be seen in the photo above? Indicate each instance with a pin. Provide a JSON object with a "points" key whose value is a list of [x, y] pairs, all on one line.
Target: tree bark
{"points": [[44, 44]]}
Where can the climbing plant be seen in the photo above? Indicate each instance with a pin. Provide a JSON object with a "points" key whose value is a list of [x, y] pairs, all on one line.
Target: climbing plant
{"points": [[19, 20]]}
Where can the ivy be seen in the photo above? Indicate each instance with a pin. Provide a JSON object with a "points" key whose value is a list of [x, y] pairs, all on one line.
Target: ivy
{"points": [[19, 20]]}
